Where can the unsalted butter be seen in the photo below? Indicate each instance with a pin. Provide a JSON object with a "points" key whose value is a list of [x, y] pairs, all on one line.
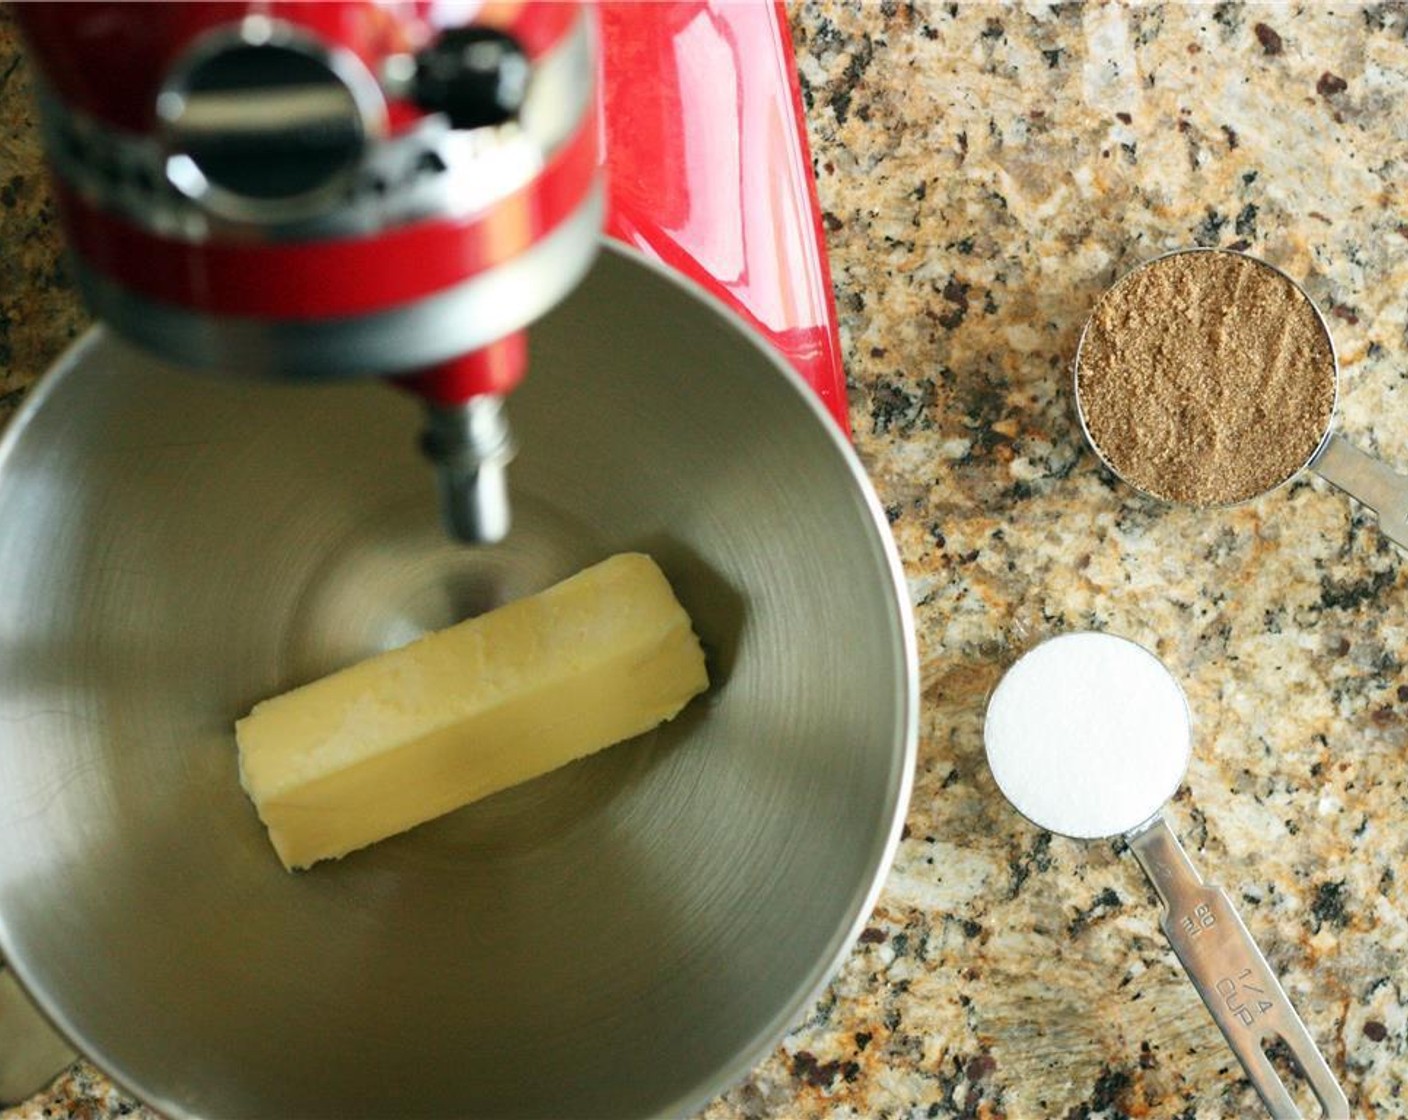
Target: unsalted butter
{"points": [[409, 735]]}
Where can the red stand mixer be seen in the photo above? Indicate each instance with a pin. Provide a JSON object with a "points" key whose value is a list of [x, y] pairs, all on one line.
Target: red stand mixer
{"points": [[398, 190]]}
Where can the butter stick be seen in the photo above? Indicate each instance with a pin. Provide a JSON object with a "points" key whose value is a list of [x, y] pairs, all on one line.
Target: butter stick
{"points": [[415, 733]]}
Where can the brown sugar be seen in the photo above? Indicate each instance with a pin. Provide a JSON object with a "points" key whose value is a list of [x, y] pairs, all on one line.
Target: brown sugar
{"points": [[1205, 377]]}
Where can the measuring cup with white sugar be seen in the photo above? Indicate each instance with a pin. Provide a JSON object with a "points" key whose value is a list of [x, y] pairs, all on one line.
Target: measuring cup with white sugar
{"points": [[1209, 377], [1088, 735]]}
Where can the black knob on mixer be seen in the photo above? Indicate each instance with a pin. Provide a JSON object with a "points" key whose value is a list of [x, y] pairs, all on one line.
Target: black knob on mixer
{"points": [[475, 75]]}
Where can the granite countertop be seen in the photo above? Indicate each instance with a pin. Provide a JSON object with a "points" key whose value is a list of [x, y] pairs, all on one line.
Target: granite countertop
{"points": [[985, 171]]}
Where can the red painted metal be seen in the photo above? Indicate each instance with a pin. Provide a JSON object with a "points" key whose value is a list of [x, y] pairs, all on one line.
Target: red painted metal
{"points": [[700, 119], [536, 25], [496, 368], [709, 169]]}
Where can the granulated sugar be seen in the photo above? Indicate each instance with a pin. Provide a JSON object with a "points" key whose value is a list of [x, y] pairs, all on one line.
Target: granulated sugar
{"points": [[1087, 735], [1206, 377]]}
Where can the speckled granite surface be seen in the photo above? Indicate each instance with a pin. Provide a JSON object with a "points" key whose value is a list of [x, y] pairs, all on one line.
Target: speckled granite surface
{"points": [[984, 172]]}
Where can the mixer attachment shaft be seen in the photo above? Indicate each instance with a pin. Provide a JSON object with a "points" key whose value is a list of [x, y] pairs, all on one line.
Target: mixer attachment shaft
{"points": [[470, 445]]}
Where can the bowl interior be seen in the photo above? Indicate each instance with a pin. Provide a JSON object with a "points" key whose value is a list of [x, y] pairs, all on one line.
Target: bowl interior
{"points": [[622, 937]]}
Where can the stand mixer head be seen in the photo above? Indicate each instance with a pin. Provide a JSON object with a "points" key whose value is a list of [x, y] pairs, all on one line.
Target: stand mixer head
{"points": [[323, 191]]}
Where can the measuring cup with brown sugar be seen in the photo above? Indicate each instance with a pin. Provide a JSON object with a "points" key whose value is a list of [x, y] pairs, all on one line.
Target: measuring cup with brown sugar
{"points": [[1209, 377]]}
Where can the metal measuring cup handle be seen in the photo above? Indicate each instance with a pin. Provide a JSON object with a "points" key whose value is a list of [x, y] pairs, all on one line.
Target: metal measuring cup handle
{"points": [[1232, 977], [1368, 481]]}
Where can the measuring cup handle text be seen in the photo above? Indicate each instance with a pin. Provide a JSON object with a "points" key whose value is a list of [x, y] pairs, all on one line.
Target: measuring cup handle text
{"points": [[1232, 977]]}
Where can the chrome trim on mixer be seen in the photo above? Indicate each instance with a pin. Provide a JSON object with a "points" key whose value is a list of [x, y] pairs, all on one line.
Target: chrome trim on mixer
{"points": [[430, 171], [453, 322]]}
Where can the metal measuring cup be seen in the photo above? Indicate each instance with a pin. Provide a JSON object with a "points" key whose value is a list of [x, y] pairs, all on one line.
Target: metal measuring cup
{"points": [[1102, 763], [1360, 475]]}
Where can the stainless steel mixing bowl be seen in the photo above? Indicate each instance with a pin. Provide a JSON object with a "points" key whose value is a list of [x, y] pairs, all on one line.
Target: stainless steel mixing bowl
{"points": [[624, 937]]}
